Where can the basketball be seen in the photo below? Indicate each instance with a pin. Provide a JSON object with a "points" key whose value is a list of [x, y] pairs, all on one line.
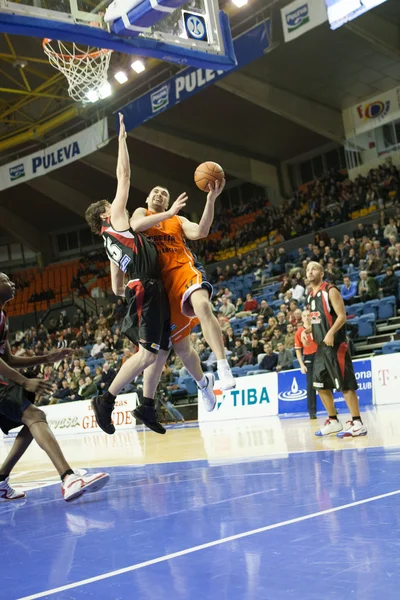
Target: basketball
{"points": [[208, 172]]}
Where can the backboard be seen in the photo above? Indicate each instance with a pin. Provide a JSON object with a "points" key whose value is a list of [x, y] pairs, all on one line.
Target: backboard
{"points": [[194, 32]]}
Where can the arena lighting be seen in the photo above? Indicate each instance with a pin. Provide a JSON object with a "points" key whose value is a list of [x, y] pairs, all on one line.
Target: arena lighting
{"points": [[240, 3], [138, 66], [105, 90], [92, 96], [121, 77]]}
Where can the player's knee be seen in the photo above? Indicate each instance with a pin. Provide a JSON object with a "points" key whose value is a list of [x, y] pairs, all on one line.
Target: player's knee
{"points": [[147, 357], [202, 308], [33, 415]]}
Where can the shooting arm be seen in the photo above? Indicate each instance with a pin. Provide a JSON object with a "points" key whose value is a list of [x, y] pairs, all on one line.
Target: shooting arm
{"points": [[194, 231], [117, 280]]}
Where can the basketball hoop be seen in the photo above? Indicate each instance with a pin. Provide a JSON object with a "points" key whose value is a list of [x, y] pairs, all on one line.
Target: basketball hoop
{"points": [[85, 70]]}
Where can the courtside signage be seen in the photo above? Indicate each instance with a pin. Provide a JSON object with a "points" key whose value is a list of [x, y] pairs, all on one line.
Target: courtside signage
{"points": [[53, 157], [254, 396]]}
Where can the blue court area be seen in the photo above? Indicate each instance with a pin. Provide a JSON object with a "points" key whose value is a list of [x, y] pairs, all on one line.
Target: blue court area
{"points": [[309, 525]]}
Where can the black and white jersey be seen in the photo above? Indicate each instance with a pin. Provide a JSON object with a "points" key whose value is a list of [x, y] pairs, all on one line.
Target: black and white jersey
{"points": [[132, 252]]}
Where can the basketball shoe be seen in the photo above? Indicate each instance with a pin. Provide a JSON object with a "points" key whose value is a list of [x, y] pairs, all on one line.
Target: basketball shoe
{"points": [[226, 379], [75, 485], [355, 429], [329, 427], [207, 392], [8, 493]]}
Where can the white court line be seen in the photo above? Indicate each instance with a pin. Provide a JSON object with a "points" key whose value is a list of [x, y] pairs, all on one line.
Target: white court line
{"points": [[231, 538]]}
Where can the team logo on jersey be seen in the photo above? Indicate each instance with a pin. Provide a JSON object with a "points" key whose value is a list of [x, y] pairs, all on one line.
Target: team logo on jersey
{"points": [[124, 262], [315, 317], [155, 346], [173, 326]]}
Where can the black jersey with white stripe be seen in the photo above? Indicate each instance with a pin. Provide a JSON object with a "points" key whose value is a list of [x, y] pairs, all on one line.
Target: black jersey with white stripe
{"points": [[132, 252], [323, 315]]}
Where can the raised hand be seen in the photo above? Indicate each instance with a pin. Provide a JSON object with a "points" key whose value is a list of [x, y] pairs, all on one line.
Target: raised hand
{"points": [[179, 203], [215, 189], [122, 130]]}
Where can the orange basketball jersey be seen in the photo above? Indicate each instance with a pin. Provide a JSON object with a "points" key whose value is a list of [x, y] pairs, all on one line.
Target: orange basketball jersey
{"points": [[181, 275]]}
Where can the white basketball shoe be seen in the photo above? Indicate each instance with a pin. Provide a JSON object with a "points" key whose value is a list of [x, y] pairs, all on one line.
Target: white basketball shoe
{"points": [[75, 485]]}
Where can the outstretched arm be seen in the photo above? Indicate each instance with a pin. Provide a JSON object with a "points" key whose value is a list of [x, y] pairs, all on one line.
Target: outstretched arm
{"points": [[197, 231], [139, 221], [119, 217]]}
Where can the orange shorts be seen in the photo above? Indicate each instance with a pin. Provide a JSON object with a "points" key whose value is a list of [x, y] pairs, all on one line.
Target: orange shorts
{"points": [[179, 283]]}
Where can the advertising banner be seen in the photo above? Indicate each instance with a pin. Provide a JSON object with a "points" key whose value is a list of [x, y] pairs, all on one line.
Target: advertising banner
{"points": [[386, 378], [53, 157], [254, 396], [301, 16], [251, 45], [292, 389], [378, 110]]}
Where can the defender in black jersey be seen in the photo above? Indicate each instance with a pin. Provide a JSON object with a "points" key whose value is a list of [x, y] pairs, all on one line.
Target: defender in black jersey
{"points": [[17, 394], [135, 274], [333, 368]]}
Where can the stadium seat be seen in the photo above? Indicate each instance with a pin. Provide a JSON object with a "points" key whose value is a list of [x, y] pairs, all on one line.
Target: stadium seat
{"points": [[391, 347], [355, 309], [371, 306], [366, 325], [296, 364], [387, 307]]}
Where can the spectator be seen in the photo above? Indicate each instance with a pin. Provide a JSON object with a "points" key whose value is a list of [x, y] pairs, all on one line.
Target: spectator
{"points": [[390, 229], [389, 284], [270, 360], [285, 358], [348, 290], [227, 309], [106, 377], [250, 305], [276, 338], [289, 337], [98, 347], [265, 310], [367, 287]]}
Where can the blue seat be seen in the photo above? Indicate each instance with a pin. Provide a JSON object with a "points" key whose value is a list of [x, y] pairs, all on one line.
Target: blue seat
{"points": [[355, 309], [296, 364], [371, 306], [387, 307], [391, 347], [366, 325]]}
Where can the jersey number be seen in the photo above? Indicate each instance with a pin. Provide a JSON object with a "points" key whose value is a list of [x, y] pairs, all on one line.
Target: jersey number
{"points": [[114, 252]]}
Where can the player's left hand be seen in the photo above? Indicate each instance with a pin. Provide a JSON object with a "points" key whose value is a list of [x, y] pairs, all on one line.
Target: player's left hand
{"points": [[329, 339], [58, 355], [122, 130], [214, 190]]}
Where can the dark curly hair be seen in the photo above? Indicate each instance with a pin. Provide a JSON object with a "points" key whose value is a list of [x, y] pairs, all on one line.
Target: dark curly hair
{"points": [[92, 215]]}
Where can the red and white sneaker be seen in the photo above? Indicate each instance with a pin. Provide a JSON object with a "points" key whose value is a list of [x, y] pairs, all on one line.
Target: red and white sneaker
{"points": [[8, 493], [355, 429], [329, 427], [75, 485]]}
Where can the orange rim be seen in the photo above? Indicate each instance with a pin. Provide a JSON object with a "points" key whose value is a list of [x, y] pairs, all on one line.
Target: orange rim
{"points": [[46, 44]]}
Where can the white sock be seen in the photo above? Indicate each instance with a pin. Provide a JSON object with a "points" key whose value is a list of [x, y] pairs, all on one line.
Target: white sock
{"points": [[203, 382], [223, 363]]}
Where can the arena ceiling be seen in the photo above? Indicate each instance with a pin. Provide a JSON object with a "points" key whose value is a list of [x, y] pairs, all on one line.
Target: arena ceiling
{"points": [[285, 104]]}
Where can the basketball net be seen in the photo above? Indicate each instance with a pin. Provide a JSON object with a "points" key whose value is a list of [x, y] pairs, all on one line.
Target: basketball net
{"points": [[85, 69]]}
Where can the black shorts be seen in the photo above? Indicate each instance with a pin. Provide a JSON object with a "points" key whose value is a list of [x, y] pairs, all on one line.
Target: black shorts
{"points": [[333, 368], [14, 399], [147, 321]]}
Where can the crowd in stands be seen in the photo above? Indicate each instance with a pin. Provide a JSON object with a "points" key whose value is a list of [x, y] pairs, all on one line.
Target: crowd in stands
{"points": [[258, 300], [323, 203]]}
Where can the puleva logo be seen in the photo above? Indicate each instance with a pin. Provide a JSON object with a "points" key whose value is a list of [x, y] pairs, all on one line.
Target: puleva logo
{"points": [[160, 99], [17, 172], [247, 397], [294, 394], [297, 18], [374, 110]]}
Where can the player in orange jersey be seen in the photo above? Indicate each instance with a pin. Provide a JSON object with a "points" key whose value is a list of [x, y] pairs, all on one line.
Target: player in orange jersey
{"points": [[185, 282]]}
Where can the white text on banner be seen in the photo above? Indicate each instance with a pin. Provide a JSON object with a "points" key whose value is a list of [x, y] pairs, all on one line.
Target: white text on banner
{"points": [[53, 157]]}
